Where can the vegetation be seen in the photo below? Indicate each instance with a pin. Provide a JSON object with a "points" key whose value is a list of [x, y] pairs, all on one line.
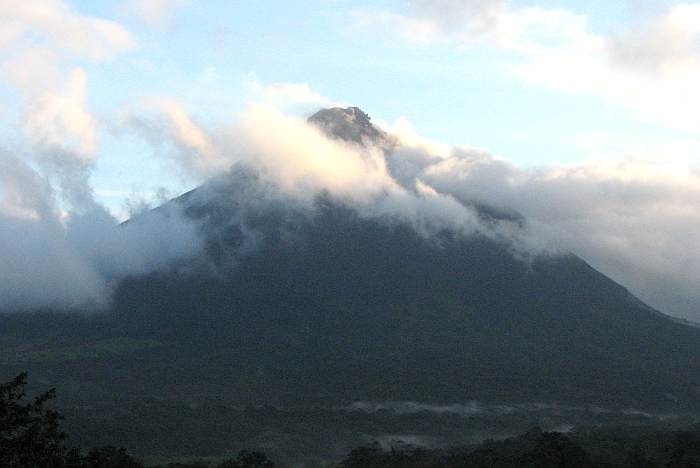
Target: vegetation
{"points": [[338, 300], [536, 449], [30, 436], [99, 349], [29, 433]]}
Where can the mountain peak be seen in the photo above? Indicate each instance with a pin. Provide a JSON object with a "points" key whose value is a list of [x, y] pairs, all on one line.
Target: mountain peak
{"points": [[351, 124]]}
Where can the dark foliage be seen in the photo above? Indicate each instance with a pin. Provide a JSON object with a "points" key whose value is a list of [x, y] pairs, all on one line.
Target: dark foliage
{"points": [[613, 447], [244, 459], [248, 460], [536, 449], [30, 437], [29, 432], [109, 457]]}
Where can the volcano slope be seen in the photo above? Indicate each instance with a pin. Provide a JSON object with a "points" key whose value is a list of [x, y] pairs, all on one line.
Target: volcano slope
{"points": [[320, 303]]}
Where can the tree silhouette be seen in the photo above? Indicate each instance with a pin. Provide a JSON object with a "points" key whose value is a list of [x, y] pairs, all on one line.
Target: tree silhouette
{"points": [[247, 459], [29, 432], [109, 457]]}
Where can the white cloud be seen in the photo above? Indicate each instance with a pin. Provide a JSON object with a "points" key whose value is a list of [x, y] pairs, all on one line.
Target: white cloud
{"points": [[636, 218], [651, 69], [297, 97], [416, 30], [669, 45], [153, 12], [166, 125], [303, 160], [38, 36], [52, 259], [43, 41], [58, 247], [53, 24], [298, 156], [454, 14], [203, 152], [59, 123], [473, 22]]}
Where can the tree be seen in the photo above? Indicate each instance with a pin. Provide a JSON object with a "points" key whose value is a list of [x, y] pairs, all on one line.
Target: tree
{"points": [[29, 432], [110, 457], [365, 457], [247, 459]]}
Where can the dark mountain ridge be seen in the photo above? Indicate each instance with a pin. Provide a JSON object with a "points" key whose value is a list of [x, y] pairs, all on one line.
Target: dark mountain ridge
{"points": [[353, 125], [320, 305]]}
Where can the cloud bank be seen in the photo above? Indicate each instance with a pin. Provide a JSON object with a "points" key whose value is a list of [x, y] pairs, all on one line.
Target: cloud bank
{"points": [[59, 249], [636, 218], [53, 259]]}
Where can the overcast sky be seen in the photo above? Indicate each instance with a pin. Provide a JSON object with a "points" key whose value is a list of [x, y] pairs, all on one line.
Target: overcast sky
{"points": [[588, 111]]}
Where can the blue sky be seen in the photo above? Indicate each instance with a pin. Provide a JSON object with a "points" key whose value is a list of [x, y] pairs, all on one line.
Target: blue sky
{"points": [[205, 55], [589, 108]]}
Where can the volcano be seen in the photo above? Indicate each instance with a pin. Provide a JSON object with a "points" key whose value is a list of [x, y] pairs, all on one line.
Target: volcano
{"points": [[320, 304]]}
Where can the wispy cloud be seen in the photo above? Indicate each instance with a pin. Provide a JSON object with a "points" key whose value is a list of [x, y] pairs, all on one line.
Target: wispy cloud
{"points": [[297, 97], [634, 216], [40, 37], [649, 68], [59, 248], [42, 43], [155, 13]]}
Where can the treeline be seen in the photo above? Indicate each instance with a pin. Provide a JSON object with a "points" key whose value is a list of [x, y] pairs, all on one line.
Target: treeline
{"points": [[596, 448], [31, 437]]}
